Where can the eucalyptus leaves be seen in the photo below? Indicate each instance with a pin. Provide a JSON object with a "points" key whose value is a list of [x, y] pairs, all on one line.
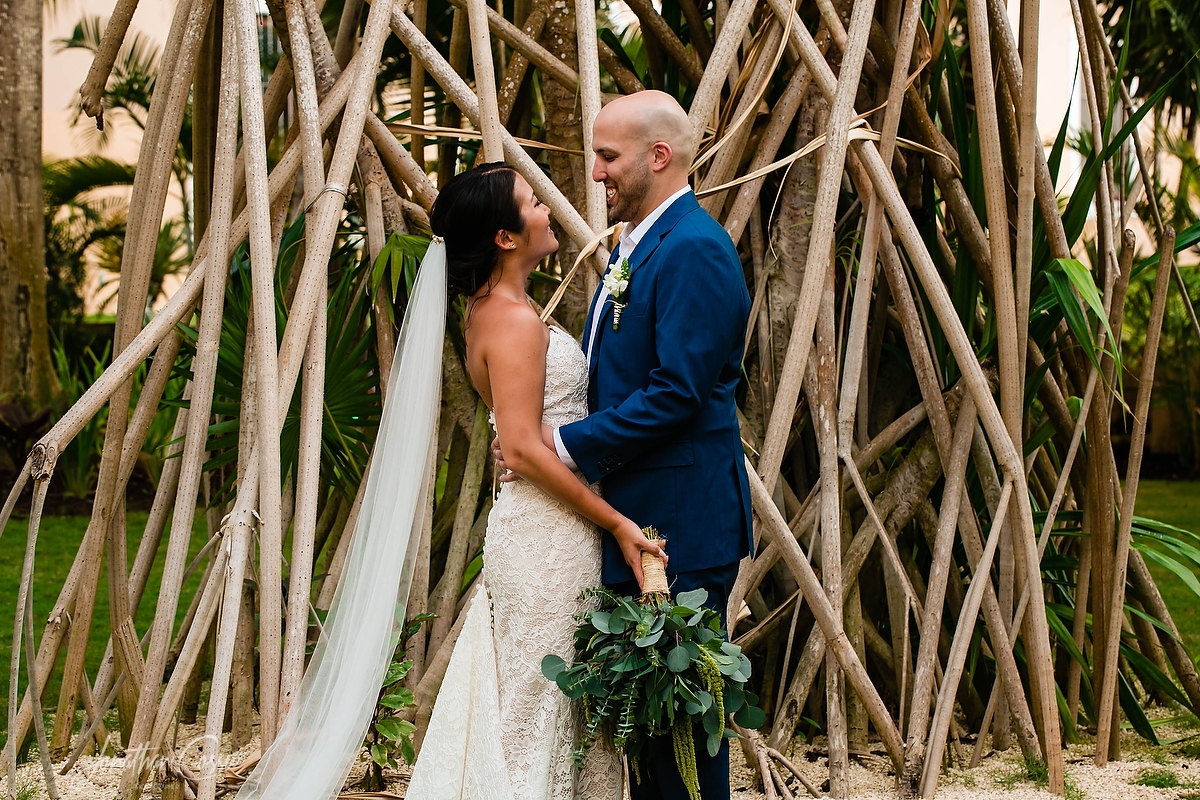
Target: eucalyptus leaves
{"points": [[645, 669]]}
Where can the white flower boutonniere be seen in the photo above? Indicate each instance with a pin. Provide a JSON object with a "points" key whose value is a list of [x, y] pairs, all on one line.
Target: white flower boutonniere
{"points": [[616, 280]]}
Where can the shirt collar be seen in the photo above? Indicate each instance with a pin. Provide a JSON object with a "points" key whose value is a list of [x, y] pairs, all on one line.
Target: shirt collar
{"points": [[629, 239]]}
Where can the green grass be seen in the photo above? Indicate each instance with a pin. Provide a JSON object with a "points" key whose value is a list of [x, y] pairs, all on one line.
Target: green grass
{"points": [[29, 790], [1157, 777], [1176, 503], [1034, 771], [58, 541]]}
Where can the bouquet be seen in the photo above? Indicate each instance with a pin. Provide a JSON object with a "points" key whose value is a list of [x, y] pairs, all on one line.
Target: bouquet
{"points": [[648, 667]]}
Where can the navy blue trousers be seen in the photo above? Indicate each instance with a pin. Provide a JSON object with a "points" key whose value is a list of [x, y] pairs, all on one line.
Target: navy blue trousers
{"points": [[660, 777]]}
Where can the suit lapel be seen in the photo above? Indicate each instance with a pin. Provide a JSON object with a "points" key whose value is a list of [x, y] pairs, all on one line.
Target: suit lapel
{"points": [[603, 314], [641, 254], [662, 226], [596, 315]]}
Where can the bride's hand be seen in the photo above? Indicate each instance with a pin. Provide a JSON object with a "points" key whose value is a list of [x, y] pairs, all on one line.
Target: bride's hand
{"points": [[633, 543]]}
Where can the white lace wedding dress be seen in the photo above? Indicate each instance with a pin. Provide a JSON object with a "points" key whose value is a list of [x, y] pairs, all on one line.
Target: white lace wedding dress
{"points": [[500, 730]]}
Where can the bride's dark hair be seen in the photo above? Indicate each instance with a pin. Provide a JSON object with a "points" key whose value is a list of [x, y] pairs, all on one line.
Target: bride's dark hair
{"points": [[468, 212]]}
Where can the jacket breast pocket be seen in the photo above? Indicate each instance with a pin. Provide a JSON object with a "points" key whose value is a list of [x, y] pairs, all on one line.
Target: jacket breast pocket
{"points": [[671, 454], [636, 309]]}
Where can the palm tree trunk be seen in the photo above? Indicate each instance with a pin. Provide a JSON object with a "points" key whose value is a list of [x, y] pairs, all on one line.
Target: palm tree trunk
{"points": [[25, 369]]}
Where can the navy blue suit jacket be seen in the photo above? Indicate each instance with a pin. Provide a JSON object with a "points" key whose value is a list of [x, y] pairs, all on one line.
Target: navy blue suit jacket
{"points": [[662, 434]]}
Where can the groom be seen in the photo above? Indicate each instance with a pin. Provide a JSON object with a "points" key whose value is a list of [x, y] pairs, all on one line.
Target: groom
{"points": [[664, 358]]}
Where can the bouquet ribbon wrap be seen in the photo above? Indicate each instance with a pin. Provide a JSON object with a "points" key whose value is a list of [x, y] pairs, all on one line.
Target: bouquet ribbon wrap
{"points": [[654, 570], [654, 575]]}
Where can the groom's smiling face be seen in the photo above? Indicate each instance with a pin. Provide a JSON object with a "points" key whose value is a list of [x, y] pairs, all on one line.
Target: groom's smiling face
{"points": [[623, 167]]}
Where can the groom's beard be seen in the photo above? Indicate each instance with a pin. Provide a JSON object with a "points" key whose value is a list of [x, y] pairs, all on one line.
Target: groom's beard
{"points": [[631, 193]]}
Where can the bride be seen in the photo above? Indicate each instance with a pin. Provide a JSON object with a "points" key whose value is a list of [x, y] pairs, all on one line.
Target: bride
{"points": [[499, 729]]}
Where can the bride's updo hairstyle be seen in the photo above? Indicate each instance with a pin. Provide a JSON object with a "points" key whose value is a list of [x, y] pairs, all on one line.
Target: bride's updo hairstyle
{"points": [[468, 212]]}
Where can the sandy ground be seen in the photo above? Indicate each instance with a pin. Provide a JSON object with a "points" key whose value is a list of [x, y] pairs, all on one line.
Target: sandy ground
{"points": [[1000, 776]]}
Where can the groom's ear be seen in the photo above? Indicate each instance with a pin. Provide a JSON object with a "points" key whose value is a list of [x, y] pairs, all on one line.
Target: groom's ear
{"points": [[661, 156]]}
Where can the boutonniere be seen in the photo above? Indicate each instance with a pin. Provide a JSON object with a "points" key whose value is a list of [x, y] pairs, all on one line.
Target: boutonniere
{"points": [[616, 280]]}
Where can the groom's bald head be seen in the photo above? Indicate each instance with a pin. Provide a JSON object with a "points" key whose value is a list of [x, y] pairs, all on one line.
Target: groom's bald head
{"points": [[643, 145], [652, 116]]}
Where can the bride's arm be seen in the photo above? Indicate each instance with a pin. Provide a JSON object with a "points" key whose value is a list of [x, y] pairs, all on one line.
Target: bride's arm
{"points": [[515, 356]]}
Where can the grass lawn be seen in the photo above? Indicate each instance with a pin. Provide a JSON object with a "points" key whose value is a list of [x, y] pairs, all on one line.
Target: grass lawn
{"points": [[1175, 503], [58, 541]]}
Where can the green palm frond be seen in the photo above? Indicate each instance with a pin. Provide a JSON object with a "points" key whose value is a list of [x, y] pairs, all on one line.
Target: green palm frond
{"points": [[1181, 203], [1175, 548], [87, 35], [170, 258], [403, 254], [78, 215], [69, 181], [351, 396], [135, 70], [1156, 40], [81, 225], [1135, 665]]}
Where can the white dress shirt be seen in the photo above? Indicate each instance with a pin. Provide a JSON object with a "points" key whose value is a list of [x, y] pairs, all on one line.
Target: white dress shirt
{"points": [[625, 247]]}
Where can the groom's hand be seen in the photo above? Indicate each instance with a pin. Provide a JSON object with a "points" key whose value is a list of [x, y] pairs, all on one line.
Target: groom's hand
{"points": [[506, 475]]}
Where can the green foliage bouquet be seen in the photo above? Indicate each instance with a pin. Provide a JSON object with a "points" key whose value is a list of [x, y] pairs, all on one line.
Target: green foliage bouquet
{"points": [[647, 667]]}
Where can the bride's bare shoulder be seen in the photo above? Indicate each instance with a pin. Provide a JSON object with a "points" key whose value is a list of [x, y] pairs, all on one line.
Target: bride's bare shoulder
{"points": [[502, 332], [498, 321]]}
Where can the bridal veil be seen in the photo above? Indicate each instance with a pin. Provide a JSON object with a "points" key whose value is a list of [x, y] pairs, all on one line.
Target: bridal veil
{"points": [[324, 730]]}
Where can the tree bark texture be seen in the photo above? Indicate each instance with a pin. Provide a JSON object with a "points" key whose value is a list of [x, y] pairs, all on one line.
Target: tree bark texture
{"points": [[25, 369]]}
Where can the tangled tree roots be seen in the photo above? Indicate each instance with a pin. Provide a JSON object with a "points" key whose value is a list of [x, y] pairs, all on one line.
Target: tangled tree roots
{"points": [[919, 375]]}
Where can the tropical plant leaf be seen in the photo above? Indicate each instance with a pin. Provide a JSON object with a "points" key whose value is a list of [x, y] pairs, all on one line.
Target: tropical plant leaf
{"points": [[609, 38], [351, 407], [402, 253], [1081, 278], [1133, 710], [1042, 435], [394, 729], [1056, 150], [1060, 285], [1152, 674], [1188, 237], [1076, 211], [1065, 717], [397, 700], [1185, 574]]}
